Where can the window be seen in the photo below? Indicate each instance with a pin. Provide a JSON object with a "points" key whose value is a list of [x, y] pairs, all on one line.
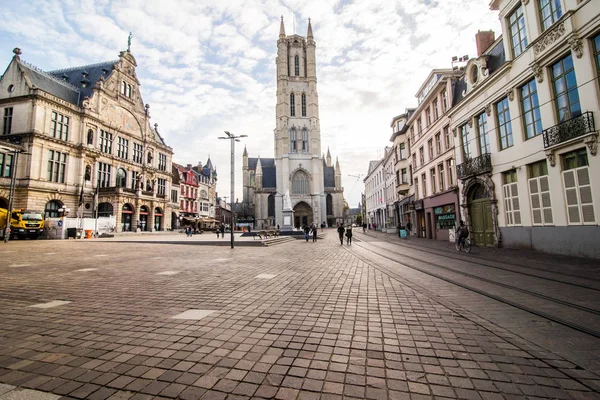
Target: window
{"points": [[550, 11], [57, 162], [293, 141], [430, 148], [414, 161], [137, 153], [174, 195], [6, 166], [433, 181], [438, 142], [539, 193], [121, 178], [597, 52], [292, 105], [504, 125], [162, 186], [104, 174], [565, 89], [447, 137], [416, 188], [304, 104], [444, 100], [436, 113], [122, 148], [305, 140], [404, 178], [162, 162], [51, 209], [419, 126], [90, 137], [483, 134], [441, 175], [7, 126], [300, 183], [531, 110], [578, 190], [402, 151], [135, 181], [428, 115], [467, 142], [149, 158], [296, 65], [106, 140], [125, 89], [450, 167], [422, 155], [59, 126], [511, 198], [424, 184], [516, 20]]}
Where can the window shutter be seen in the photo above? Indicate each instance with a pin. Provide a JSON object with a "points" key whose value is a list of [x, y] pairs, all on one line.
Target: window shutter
{"points": [[535, 201], [515, 203], [539, 191], [585, 195], [571, 197]]}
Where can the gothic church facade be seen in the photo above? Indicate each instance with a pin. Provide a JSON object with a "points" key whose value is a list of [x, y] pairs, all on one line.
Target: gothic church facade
{"points": [[299, 167]]}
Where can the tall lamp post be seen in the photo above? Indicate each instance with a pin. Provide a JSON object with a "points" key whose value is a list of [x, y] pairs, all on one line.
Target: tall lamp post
{"points": [[233, 139]]}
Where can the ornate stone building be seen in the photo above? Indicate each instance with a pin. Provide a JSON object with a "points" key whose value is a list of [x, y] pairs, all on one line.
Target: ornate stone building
{"points": [[89, 143], [314, 184]]}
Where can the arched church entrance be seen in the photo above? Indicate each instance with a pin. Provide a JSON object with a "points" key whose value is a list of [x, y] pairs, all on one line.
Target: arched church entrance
{"points": [[303, 215], [480, 211]]}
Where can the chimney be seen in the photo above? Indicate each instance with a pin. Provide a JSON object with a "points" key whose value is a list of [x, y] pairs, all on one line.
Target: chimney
{"points": [[484, 39]]}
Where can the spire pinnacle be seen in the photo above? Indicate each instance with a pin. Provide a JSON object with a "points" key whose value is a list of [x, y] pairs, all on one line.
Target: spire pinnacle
{"points": [[281, 29], [309, 35], [245, 152]]}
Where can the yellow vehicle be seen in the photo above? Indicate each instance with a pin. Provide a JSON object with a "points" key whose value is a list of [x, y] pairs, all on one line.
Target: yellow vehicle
{"points": [[23, 223]]}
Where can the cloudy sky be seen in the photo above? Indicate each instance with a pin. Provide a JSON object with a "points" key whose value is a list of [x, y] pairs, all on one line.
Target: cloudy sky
{"points": [[208, 66]]}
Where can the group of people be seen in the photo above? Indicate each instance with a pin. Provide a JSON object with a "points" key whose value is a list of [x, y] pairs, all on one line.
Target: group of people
{"points": [[345, 232], [310, 230], [220, 230]]}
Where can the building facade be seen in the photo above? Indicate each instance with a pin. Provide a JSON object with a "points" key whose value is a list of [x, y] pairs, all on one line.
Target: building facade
{"points": [[90, 146], [525, 123], [402, 169], [375, 186], [298, 170]]}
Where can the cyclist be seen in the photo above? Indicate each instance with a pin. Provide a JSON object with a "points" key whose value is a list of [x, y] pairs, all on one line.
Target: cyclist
{"points": [[463, 232]]}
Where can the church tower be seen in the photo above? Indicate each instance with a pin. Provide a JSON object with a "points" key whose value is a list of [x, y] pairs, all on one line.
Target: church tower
{"points": [[297, 134]]}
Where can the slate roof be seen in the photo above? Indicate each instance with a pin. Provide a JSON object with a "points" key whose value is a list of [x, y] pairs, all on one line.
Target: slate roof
{"points": [[269, 179], [49, 83], [329, 176], [85, 84]]}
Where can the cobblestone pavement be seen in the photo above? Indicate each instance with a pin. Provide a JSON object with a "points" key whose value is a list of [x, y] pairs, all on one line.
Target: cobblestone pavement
{"points": [[98, 320]]}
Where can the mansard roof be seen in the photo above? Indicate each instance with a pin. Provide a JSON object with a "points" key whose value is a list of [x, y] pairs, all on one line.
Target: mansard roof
{"points": [[49, 83], [85, 77]]}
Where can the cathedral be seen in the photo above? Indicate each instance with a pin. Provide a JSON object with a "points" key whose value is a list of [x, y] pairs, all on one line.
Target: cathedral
{"points": [[300, 180]]}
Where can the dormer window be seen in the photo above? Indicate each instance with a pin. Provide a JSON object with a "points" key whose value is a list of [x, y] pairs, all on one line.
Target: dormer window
{"points": [[126, 89]]}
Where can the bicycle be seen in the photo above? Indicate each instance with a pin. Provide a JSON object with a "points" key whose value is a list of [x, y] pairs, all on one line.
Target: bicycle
{"points": [[465, 246]]}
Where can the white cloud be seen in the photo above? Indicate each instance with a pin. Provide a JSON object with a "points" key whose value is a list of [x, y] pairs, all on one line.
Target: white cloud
{"points": [[207, 66]]}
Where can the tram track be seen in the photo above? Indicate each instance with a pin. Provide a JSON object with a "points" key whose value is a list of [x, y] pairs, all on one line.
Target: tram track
{"points": [[503, 299], [471, 258]]}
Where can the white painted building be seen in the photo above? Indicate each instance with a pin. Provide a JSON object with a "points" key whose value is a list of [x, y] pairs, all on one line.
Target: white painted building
{"points": [[524, 121], [375, 193]]}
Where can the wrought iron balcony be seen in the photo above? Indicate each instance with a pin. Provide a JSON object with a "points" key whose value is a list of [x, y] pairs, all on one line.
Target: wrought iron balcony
{"points": [[474, 166], [569, 129]]}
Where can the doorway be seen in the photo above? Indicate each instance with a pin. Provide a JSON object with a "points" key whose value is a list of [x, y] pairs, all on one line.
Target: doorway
{"points": [[302, 215], [480, 211]]}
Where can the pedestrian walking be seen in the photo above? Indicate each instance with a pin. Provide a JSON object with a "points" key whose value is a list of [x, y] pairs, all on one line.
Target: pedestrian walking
{"points": [[306, 232], [341, 231], [188, 231], [218, 231], [364, 226], [349, 235], [223, 231], [314, 231]]}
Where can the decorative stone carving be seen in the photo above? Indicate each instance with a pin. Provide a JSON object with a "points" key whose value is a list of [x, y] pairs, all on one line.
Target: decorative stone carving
{"points": [[551, 158], [510, 93], [470, 122], [549, 38], [488, 110], [454, 131], [576, 46], [538, 72], [592, 144], [525, 2]]}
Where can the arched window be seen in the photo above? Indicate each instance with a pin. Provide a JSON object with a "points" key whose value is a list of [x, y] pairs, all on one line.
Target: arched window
{"points": [[304, 104], [121, 178], [88, 173], [271, 205], [329, 205], [105, 210], [296, 65], [305, 140], [126, 218], [293, 141], [292, 105], [51, 209], [300, 183], [148, 185], [149, 157], [90, 137]]}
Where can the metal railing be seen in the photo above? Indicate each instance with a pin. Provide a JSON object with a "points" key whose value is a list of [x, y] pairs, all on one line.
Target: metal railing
{"points": [[474, 166], [570, 129]]}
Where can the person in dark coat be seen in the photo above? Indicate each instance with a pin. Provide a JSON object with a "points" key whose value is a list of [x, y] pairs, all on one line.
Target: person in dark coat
{"points": [[314, 232], [349, 235], [341, 231], [222, 230], [306, 232]]}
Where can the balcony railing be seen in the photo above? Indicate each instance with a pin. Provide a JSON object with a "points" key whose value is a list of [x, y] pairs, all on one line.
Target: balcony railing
{"points": [[569, 129], [474, 166]]}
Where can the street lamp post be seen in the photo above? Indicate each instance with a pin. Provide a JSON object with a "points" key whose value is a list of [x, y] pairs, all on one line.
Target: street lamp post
{"points": [[233, 139]]}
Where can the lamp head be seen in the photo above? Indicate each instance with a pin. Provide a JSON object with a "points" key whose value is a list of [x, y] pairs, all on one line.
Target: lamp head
{"points": [[227, 133]]}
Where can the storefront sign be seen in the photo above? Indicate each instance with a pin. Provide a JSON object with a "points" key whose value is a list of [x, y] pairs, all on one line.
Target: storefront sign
{"points": [[446, 217], [418, 205], [447, 209]]}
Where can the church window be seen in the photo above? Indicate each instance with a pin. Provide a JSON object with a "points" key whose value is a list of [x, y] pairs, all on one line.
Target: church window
{"points": [[300, 183], [329, 205], [293, 141], [296, 65], [292, 105], [304, 104], [305, 140], [271, 205]]}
